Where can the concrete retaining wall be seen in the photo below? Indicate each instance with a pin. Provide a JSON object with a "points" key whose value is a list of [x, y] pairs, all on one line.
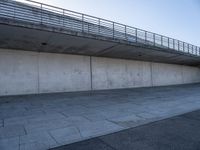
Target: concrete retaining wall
{"points": [[29, 72], [110, 73], [18, 72], [190, 74], [60, 73], [23, 72], [166, 74]]}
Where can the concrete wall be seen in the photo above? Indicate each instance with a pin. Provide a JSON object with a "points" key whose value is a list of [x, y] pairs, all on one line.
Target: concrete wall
{"points": [[190, 74], [18, 72], [59, 73], [110, 73], [166, 74], [29, 72], [23, 72]]}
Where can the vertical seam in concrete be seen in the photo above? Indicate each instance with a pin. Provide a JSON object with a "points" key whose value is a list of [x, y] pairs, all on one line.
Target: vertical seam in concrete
{"points": [[91, 79], [151, 67], [38, 69]]}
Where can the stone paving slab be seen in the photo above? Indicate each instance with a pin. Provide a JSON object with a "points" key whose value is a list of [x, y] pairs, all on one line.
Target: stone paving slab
{"points": [[66, 135], [46, 125], [9, 143], [97, 128], [11, 131], [94, 116], [41, 138], [33, 146], [48, 120]]}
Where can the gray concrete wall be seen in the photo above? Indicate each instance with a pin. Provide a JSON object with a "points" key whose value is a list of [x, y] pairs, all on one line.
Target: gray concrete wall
{"points": [[110, 73], [24, 72], [60, 73], [190, 74], [166, 74], [18, 72]]}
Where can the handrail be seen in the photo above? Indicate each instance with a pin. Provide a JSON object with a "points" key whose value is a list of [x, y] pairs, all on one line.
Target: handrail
{"points": [[36, 12]]}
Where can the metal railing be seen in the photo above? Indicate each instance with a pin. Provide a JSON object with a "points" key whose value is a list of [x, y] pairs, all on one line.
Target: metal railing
{"points": [[39, 13]]}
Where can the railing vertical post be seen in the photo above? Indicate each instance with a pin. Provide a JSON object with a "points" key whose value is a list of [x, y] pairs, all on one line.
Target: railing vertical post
{"points": [[195, 50], [178, 46], [99, 25], [199, 50], [183, 46], [125, 33], [113, 30], [188, 48], [63, 17], [14, 10], [173, 44], [192, 49], [154, 39], [136, 40], [82, 22], [168, 42], [145, 37], [41, 5], [161, 40]]}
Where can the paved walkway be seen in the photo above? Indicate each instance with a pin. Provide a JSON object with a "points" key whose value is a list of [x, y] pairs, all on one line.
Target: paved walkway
{"points": [[177, 133], [39, 122]]}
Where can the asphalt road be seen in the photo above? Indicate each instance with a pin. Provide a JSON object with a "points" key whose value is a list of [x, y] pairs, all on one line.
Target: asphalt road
{"points": [[177, 133]]}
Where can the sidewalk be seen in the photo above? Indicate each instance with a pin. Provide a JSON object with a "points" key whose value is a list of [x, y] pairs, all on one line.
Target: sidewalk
{"points": [[39, 122]]}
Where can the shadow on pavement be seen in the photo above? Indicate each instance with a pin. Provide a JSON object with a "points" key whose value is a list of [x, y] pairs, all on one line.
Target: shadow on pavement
{"points": [[177, 133]]}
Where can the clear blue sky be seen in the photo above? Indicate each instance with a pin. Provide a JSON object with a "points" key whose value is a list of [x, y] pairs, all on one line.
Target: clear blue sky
{"points": [[179, 19]]}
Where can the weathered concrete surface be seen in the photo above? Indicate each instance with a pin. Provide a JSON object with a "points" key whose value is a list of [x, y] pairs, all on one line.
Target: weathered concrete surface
{"points": [[118, 73], [18, 72], [61, 73], [190, 74], [39, 122], [23, 72], [166, 74]]}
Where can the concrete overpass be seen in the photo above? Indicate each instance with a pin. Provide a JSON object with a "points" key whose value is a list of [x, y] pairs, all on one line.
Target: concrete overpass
{"points": [[106, 55]]}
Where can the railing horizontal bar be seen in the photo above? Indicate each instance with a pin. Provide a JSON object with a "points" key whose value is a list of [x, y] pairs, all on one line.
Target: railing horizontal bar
{"points": [[46, 14]]}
